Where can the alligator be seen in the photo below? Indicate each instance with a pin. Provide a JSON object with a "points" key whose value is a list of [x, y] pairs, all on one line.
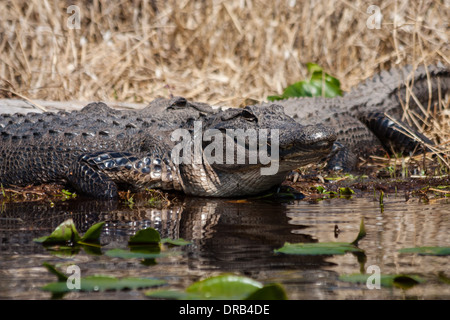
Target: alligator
{"points": [[99, 150], [370, 119]]}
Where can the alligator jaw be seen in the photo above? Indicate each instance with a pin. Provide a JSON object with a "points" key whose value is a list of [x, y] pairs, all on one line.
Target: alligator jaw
{"points": [[298, 146]]}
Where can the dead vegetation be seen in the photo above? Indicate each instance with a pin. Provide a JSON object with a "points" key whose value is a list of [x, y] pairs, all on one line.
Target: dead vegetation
{"points": [[214, 51], [220, 52]]}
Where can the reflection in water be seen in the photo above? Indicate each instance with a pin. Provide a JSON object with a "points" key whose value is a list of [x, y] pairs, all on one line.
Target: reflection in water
{"points": [[235, 236], [241, 236]]}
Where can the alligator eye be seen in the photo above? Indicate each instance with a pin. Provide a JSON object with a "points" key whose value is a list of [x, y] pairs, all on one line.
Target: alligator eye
{"points": [[178, 102], [249, 116]]}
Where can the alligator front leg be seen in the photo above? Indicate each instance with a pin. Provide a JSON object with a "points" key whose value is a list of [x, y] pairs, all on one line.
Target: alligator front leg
{"points": [[341, 158], [86, 179], [99, 174]]}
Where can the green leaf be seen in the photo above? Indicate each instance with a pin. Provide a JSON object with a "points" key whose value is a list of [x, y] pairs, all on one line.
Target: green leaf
{"points": [[98, 282], [92, 235], [406, 282], [175, 242], [330, 90], [91, 249], [435, 251], [102, 283], [125, 254], [346, 191], [269, 292], [65, 240], [313, 67], [309, 89], [65, 233], [171, 294], [320, 83], [224, 287], [386, 280], [320, 189], [145, 236], [51, 268], [361, 233], [274, 98], [330, 81], [324, 248], [296, 90]]}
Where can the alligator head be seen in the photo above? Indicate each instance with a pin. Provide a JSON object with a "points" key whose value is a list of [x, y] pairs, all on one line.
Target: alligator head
{"points": [[239, 152]]}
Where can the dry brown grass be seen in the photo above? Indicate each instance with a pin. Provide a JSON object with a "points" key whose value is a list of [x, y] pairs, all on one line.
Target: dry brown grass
{"points": [[220, 52], [213, 51]]}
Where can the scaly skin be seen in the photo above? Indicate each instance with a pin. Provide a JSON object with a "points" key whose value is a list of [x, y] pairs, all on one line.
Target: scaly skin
{"points": [[98, 158], [99, 150], [359, 117]]}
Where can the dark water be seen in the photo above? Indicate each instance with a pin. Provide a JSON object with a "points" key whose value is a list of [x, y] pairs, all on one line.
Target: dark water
{"points": [[237, 237]]}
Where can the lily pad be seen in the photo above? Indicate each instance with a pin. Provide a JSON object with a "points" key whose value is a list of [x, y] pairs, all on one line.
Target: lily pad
{"points": [[429, 251], [386, 280], [92, 235], [103, 283], [175, 242], [324, 248], [51, 268], [224, 287], [65, 233], [97, 283], [269, 292], [135, 254], [171, 295], [145, 236]]}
